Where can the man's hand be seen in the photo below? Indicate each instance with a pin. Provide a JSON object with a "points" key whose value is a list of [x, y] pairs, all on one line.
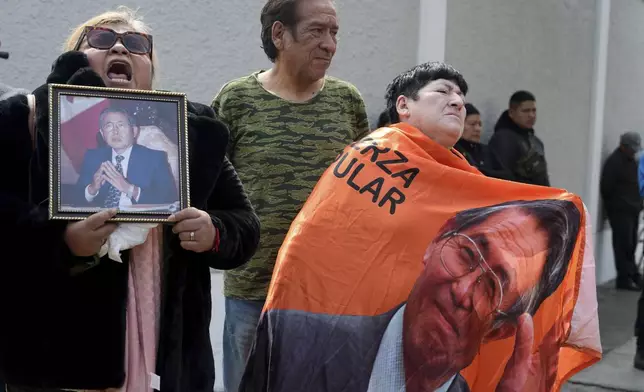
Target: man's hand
{"points": [[115, 178], [518, 367], [97, 182], [85, 238], [197, 222]]}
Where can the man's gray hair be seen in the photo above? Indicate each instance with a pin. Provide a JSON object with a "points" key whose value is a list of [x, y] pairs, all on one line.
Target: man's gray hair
{"points": [[106, 111]]}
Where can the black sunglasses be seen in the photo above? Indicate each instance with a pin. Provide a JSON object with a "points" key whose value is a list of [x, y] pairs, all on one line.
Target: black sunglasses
{"points": [[104, 38]]}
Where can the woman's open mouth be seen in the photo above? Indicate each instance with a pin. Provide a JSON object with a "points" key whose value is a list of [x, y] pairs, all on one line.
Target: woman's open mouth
{"points": [[119, 72]]}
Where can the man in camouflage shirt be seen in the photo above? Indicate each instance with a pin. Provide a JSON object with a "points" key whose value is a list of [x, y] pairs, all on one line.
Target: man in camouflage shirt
{"points": [[287, 125]]}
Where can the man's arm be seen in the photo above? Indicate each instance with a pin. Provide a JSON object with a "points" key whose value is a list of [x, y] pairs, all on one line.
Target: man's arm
{"points": [[88, 195], [490, 169], [608, 179], [544, 178], [162, 189], [86, 176], [501, 174], [505, 151], [27, 219]]}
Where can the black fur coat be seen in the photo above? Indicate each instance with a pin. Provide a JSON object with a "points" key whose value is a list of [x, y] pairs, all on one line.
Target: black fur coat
{"points": [[65, 330]]}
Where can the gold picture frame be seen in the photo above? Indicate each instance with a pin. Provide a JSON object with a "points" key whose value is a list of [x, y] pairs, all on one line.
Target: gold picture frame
{"points": [[117, 148]]}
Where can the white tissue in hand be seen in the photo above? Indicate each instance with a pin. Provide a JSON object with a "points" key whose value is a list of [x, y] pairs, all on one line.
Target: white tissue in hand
{"points": [[126, 236]]}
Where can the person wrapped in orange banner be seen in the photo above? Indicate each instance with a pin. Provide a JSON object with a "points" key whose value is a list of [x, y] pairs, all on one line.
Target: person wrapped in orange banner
{"points": [[408, 270]]}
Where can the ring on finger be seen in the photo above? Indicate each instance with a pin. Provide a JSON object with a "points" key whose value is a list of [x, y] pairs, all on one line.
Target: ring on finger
{"points": [[192, 236]]}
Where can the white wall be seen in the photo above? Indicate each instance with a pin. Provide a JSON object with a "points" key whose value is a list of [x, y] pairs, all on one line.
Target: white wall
{"points": [[202, 44], [543, 46], [625, 79], [378, 40], [623, 110]]}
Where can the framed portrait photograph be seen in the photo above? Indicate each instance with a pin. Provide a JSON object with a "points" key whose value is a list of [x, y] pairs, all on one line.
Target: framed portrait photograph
{"points": [[116, 148]]}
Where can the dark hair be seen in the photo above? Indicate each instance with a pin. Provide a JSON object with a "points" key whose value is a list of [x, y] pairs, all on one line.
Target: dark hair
{"points": [[410, 82], [561, 221], [383, 119], [471, 110], [105, 111], [284, 11], [520, 97]]}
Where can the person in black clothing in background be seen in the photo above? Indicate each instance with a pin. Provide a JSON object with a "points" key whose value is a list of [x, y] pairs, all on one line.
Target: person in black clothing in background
{"points": [[620, 191], [514, 145], [383, 119], [476, 153]]}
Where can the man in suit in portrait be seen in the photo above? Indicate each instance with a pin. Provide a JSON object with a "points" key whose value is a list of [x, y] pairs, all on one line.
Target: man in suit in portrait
{"points": [[124, 173]]}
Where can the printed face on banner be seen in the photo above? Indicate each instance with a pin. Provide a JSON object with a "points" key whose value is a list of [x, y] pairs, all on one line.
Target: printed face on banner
{"points": [[439, 278], [486, 268]]}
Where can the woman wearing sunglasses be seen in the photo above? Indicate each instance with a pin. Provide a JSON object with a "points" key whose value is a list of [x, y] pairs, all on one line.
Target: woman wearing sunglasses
{"points": [[72, 321]]}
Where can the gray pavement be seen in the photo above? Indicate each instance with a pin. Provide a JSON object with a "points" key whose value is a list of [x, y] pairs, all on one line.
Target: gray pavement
{"points": [[615, 372]]}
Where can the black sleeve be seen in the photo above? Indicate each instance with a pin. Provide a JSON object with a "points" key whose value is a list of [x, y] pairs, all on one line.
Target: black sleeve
{"points": [[492, 168], [234, 217], [40, 240], [608, 179], [14, 134], [501, 174], [505, 151], [24, 187]]}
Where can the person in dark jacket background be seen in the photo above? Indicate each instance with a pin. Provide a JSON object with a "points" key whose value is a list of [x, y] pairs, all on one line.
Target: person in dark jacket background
{"points": [[620, 191], [383, 119], [515, 146], [476, 153]]}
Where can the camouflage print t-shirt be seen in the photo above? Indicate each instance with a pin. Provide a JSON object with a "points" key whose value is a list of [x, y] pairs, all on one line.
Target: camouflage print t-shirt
{"points": [[280, 149]]}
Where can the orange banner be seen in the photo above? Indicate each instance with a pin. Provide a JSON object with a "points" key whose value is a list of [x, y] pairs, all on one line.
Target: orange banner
{"points": [[409, 270]]}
